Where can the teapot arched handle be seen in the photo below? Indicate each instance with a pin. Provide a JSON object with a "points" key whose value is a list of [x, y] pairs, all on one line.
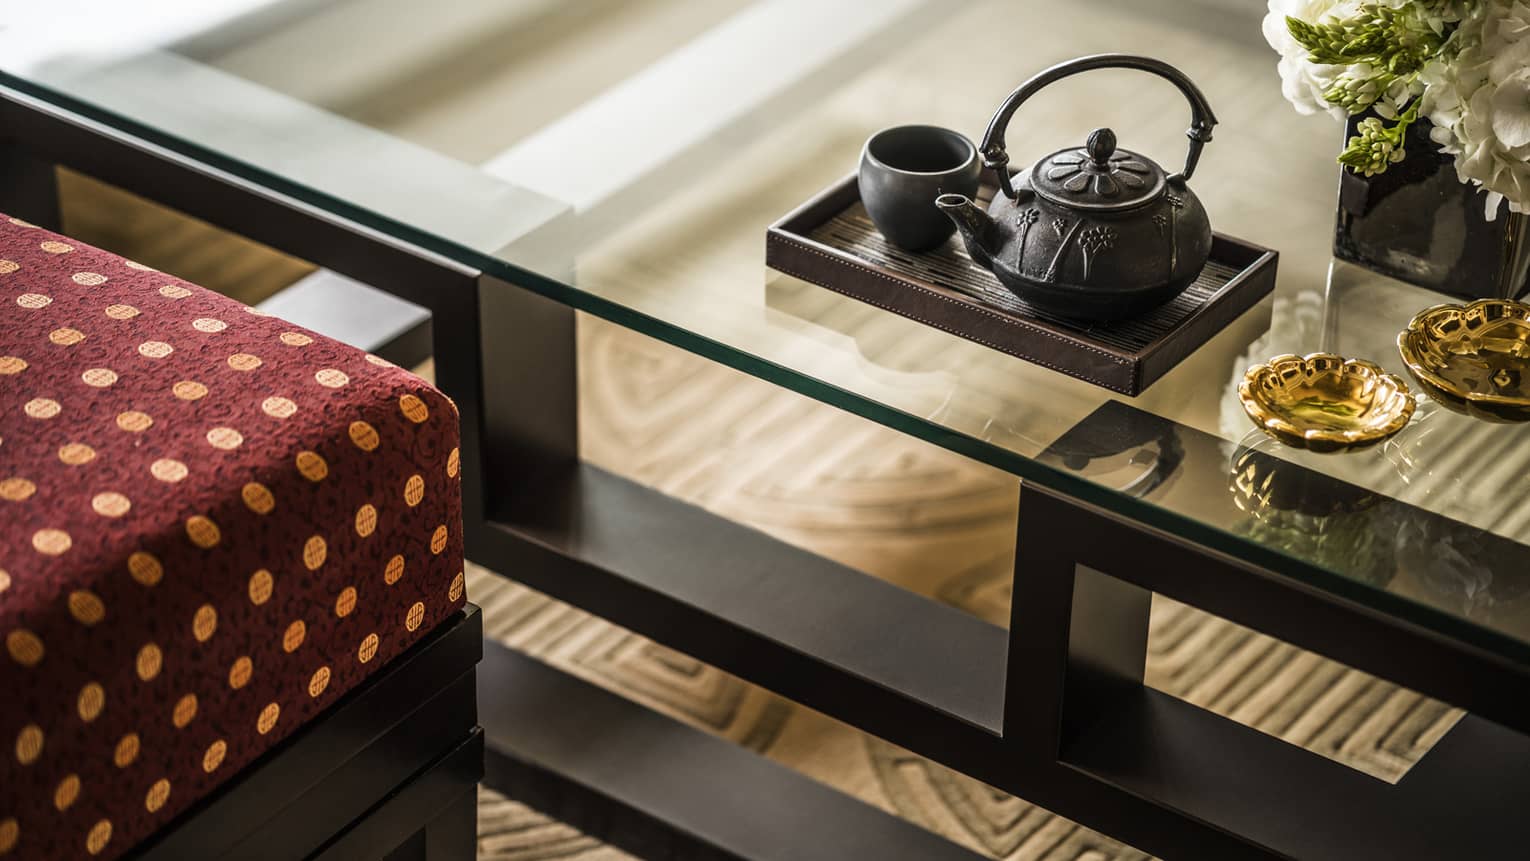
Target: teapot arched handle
{"points": [[1202, 119]]}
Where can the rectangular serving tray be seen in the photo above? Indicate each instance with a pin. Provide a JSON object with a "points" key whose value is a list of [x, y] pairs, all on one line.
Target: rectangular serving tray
{"points": [[830, 241]]}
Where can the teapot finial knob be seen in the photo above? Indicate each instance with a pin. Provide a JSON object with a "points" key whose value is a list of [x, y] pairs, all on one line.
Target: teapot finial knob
{"points": [[1101, 145]]}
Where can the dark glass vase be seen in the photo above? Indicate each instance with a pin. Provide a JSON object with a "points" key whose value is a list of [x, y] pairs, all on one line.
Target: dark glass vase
{"points": [[1418, 223]]}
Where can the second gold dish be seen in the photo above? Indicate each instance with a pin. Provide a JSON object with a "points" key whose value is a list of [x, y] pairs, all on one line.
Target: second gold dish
{"points": [[1473, 359], [1324, 402]]}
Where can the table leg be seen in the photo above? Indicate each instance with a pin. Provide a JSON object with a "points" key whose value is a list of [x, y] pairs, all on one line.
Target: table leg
{"points": [[28, 186]]}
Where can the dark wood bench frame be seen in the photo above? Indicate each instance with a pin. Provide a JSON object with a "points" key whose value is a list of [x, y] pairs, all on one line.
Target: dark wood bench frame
{"points": [[388, 772]]}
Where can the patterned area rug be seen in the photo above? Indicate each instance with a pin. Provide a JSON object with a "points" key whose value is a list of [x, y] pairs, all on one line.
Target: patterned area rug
{"points": [[927, 520]]}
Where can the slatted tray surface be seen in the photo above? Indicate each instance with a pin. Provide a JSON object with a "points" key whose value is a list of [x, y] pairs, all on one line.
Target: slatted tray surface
{"points": [[832, 242]]}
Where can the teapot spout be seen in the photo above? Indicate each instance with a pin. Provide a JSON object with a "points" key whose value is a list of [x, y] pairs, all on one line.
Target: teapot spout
{"points": [[975, 226]]}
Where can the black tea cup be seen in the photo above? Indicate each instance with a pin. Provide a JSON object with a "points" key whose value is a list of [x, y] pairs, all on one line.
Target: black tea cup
{"points": [[903, 169]]}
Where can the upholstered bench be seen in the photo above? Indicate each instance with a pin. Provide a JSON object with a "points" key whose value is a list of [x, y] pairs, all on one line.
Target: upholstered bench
{"points": [[218, 532]]}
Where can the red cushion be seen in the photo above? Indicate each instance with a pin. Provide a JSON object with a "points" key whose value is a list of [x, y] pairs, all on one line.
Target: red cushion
{"points": [[212, 525]]}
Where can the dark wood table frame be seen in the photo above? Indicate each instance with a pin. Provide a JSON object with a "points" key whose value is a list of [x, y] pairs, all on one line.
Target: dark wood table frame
{"points": [[1081, 735]]}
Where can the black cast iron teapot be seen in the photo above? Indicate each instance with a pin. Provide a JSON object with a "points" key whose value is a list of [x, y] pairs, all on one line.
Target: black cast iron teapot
{"points": [[1093, 233]]}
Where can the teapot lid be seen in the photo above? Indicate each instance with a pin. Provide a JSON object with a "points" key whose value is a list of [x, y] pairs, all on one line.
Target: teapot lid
{"points": [[1097, 176]]}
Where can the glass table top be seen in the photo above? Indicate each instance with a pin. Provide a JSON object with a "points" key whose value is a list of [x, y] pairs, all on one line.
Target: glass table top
{"points": [[626, 158]]}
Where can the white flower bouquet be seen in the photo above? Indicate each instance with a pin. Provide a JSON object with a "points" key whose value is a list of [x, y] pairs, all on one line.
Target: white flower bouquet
{"points": [[1462, 64]]}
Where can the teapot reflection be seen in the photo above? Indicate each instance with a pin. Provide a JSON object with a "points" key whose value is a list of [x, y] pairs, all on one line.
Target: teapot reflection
{"points": [[1120, 447]]}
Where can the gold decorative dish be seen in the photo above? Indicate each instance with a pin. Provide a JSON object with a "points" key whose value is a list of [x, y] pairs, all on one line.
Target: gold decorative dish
{"points": [[1324, 402], [1473, 359]]}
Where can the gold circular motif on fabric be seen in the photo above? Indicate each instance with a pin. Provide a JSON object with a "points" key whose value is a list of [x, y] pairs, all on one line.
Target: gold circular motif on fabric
{"points": [[262, 584], [345, 602], [244, 362], [155, 349], [293, 637], [185, 711], [457, 587], [168, 470], [366, 520], [25, 647], [126, 751], [394, 570], [364, 436], [225, 438], [268, 717], [12, 365], [278, 407], [239, 674], [16, 488], [134, 421], [29, 744], [121, 312], [67, 791], [203, 532], [145, 568], [88, 279], [76, 453], [318, 681], [99, 377], [295, 339], [414, 490], [368, 649], [100, 835], [86, 607], [438, 539], [33, 301], [110, 504], [413, 408], [205, 623], [331, 378], [55, 247], [174, 291], [209, 325], [42, 408], [257, 498], [189, 390], [312, 466], [314, 552], [214, 756], [157, 795], [415, 616], [149, 662], [51, 542], [91, 702]]}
